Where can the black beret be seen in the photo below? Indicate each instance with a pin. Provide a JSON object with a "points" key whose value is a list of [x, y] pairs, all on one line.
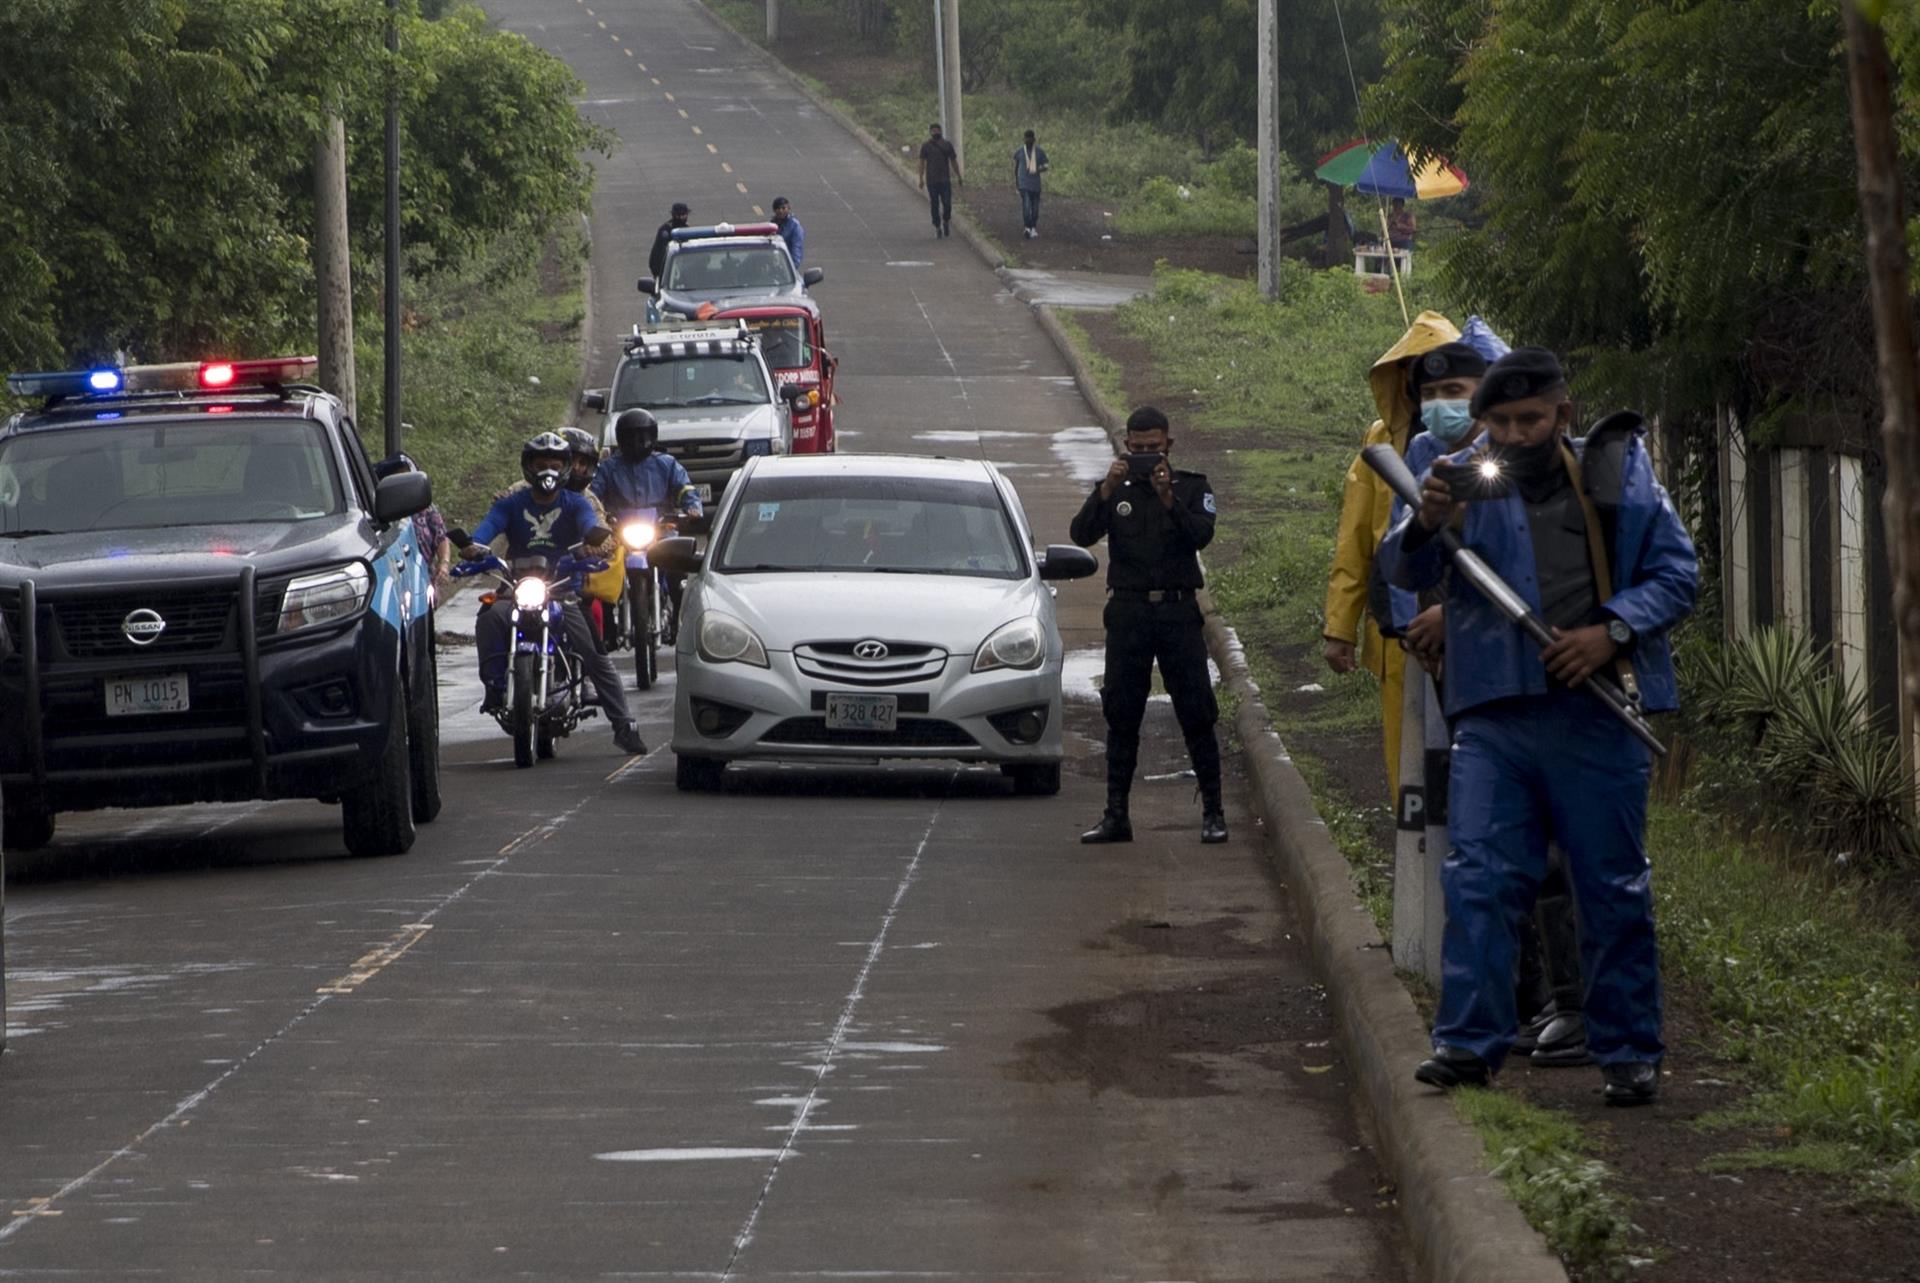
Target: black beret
{"points": [[1147, 419], [1522, 373], [680, 207], [1449, 360]]}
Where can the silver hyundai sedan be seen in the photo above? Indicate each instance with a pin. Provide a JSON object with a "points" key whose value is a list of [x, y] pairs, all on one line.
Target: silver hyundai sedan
{"points": [[859, 607]]}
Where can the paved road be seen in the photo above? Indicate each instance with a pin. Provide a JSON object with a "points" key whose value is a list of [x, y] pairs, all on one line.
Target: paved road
{"points": [[878, 1024]]}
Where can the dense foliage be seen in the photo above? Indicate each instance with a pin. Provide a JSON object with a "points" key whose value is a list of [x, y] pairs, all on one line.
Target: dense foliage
{"points": [[155, 162], [1668, 189]]}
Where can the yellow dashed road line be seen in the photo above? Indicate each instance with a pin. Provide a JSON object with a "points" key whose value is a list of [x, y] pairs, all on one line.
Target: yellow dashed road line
{"points": [[713, 149], [742, 187], [710, 146], [372, 964], [761, 213], [682, 111], [725, 166], [669, 97]]}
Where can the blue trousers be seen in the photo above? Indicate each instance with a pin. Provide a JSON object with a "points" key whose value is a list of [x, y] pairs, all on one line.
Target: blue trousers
{"points": [[1029, 209], [1524, 769]]}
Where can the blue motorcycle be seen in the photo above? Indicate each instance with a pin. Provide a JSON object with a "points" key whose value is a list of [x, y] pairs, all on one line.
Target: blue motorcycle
{"points": [[548, 696], [646, 607]]}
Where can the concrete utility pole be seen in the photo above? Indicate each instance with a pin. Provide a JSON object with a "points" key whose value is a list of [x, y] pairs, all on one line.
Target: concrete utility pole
{"points": [[332, 262], [773, 22], [940, 57], [950, 36], [1871, 82], [1268, 139], [392, 336]]}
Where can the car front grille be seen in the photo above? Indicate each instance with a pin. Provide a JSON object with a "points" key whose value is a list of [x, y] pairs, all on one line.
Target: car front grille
{"points": [[704, 451], [197, 621], [810, 732], [835, 661]]}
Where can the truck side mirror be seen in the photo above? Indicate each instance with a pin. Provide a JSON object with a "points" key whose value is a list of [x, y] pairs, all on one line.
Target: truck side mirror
{"points": [[813, 276], [595, 400], [647, 285], [401, 495]]}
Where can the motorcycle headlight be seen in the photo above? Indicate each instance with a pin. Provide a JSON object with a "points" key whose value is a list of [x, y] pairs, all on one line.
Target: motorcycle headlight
{"points": [[637, 534], [530, 594], [325, 596], [1020, 644], [725, 640]]}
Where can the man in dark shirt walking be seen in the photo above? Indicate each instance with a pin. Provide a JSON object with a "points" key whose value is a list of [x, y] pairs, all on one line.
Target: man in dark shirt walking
{"points": [[657, 261], [1155, 520], [939, 171]]}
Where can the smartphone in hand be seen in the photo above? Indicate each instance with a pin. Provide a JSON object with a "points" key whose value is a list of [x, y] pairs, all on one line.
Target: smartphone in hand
{"points": [[1140, 466]]}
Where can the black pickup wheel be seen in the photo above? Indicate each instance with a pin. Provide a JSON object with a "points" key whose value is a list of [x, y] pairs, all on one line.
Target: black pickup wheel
{"points": [[378, 816]]}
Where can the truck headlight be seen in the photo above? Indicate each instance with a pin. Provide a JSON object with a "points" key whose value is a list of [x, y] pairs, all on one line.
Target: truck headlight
{"points": [[325, 596], [1020, 644], [725, 640], [530, 594]]}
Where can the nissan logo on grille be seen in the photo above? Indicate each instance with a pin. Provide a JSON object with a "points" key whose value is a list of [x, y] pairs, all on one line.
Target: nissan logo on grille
{"points": [[870, 650], [143, 627]]}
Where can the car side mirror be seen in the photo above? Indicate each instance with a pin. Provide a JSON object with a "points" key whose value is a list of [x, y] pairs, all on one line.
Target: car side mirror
{"points": [[401, 495], [679, 555], [813, 276], [792, 393], [1065, 561], [595, 399], [648, 285]]}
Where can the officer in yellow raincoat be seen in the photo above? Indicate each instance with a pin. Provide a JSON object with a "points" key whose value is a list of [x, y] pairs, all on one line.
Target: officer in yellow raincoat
{"points": [[1351, 633]]}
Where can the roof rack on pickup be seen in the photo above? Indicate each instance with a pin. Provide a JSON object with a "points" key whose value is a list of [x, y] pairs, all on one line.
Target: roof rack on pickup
{"points": [[668, 341]]}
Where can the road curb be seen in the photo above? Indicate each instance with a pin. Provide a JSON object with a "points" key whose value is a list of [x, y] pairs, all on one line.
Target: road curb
{"points": [[1463, 1225], [962, 222]]}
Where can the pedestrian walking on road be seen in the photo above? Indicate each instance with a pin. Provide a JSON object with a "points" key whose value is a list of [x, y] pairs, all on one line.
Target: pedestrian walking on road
{"points": [[1600, 554], [939, 171], [790, 230], [657, 261], [1029, 162], [1155, 520]]}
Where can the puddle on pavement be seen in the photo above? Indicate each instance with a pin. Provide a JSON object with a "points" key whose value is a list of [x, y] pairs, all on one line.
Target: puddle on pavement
{"points": [[1087, 452]]}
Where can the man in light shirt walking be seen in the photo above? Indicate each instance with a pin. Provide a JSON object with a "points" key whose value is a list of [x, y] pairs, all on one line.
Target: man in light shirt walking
{"points": [[1029, 162]]}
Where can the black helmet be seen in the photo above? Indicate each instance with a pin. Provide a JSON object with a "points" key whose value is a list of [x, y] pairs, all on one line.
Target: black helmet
{"points": [[583, 449], [636, 432], [547, 445]]}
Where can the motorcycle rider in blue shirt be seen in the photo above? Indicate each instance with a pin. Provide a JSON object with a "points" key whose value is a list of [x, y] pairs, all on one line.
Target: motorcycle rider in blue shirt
{"points": [[638, 474], [545, 520], [1534, 757]]}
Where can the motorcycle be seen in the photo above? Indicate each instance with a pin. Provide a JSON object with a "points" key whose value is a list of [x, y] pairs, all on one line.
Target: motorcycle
{"points": [[646, 607], [548, 692]]}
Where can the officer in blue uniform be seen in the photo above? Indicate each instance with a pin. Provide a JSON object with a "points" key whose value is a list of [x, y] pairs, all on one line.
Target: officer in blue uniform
{"points": [[1589, 538], [638, 474]]}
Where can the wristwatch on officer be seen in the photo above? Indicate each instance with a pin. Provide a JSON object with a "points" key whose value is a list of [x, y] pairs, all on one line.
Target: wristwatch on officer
{"points": [[1619, 633]]}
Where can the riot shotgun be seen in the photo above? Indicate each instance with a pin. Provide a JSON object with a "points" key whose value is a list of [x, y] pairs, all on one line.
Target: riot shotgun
{"points": [[1392, 469]]}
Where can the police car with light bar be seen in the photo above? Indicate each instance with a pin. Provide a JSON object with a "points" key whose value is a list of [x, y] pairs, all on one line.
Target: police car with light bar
{"points": [[205, 596], [717, 403], [714, 267]]}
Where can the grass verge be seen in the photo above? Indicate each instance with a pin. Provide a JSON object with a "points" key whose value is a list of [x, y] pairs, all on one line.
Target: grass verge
{"points": [[489, 356]]}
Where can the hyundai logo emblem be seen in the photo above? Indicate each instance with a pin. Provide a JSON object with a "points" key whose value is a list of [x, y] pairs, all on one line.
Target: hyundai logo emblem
{"points": [[870, 650], [143, 627]]}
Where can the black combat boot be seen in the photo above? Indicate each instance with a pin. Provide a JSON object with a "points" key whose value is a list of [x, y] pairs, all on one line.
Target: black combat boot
{"points": [[1213, 816], [1631, 1082], [1451, 1067], [1114, 826]]}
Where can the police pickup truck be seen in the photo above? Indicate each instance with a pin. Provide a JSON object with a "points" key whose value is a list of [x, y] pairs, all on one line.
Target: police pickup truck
{"points": [[205, 596]]}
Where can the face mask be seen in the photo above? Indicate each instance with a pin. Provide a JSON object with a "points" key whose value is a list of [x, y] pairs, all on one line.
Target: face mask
{"points": [[1448, 421]]}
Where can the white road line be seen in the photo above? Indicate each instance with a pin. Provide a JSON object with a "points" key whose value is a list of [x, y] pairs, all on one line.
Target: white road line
{"points": [[42, 1208], [859, 991]]}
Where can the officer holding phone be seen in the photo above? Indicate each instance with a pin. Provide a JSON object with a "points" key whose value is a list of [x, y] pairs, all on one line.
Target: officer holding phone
{"points": [[1155, 520]]}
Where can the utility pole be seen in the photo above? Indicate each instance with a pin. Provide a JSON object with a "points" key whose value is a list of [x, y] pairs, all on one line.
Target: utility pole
{"points": [[773, 22], [331, 262], [940, 56], [392, 336], [1871, 85], [950, 36], [1268, 139]]}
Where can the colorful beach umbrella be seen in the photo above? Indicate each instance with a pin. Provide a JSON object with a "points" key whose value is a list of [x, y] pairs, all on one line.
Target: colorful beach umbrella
{"points": [[1382, 169]]}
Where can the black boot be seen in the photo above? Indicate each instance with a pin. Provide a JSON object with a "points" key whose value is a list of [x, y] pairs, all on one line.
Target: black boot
{"points": [[1114, 826], [1213, 816], [1631, 1082], [1562, 1042], [495, 699], [1451, 1067]]}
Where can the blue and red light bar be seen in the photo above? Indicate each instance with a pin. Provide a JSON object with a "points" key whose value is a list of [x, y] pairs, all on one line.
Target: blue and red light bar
{"points": [[725, 229], [182, 376]]}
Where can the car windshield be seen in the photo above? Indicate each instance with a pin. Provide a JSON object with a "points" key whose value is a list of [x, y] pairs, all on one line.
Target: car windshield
{"points": [[133, 475], [783, 342], [692, 380], [696, 269], [876, 524]]}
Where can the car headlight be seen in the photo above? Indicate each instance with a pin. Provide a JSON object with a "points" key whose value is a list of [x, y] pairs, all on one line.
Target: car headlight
{"points": [[1020, 644], [325, 596], [637, 534], [759, 446], [725, 640], [530, 594]]}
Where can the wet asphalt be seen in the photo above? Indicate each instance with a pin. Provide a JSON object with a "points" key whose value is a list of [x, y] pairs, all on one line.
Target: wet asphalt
{"points": [[870, 1022]]}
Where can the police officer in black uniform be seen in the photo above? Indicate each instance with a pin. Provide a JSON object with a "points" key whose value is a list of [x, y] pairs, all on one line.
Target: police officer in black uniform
{"points": [[677, 218], [1155, 519]]}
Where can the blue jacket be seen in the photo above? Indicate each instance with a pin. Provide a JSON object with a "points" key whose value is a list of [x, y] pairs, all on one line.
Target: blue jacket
{"points": [[1654, 570], [796, 238], [1421, 452], [539, 530], [657, 481], [1021, 178]]}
